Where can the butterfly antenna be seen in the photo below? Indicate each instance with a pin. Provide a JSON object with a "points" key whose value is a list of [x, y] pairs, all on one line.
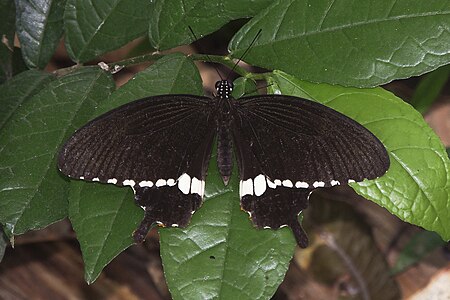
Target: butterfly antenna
{"points": [[207, 56], [245, 52]]}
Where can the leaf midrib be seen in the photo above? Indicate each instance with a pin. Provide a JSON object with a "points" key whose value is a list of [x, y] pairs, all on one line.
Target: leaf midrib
{"points": [[420, 186], [100, 26], [227, 244]]}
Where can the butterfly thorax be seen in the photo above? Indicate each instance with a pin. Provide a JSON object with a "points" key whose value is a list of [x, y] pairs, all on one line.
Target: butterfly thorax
{"points": [[224, 89]]}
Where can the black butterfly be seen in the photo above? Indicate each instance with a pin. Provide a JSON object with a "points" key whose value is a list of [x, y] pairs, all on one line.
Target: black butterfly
{"points": [[285, 148]]}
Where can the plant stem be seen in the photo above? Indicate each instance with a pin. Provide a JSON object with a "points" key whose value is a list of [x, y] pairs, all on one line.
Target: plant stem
{"points": [[65, 71], [136, 60], [224, 60]]}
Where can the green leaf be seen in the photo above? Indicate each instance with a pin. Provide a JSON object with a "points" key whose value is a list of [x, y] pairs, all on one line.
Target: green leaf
{"points": [[416, 186], [244, 86], [39, 28], [343, 251], [170, 20], [104, 216], [20, 89], [353, 43], [220, 255], [418, 247], [93, 28], [429, 88], [32, 192]]}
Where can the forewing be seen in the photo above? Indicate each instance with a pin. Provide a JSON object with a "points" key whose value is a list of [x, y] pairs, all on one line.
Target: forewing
{"points": [[287, 146], [304, 141], [160, 146]]}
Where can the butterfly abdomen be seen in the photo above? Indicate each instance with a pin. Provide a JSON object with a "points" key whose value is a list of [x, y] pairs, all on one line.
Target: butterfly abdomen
{"points": [[224, 147]]}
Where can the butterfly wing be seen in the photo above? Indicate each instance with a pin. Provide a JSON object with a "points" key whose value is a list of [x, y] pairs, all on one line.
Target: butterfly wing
{"points": [[288, 146], [160, 146]]}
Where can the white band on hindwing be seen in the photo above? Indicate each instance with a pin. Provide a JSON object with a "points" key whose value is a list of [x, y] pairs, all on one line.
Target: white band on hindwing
{"points": [[258, 185], [185, 183]]}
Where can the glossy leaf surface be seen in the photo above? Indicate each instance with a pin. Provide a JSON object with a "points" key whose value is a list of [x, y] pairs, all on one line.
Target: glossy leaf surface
{"points": [[32, 192], [416, 186], [362, 43], [39, 25]]}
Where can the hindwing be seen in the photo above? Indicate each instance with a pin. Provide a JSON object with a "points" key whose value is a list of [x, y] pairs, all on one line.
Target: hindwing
{"points": [[288, 146]]}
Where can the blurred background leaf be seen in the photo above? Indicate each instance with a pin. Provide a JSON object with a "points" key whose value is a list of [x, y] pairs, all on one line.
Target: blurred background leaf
{"points": [[343, 253], [429, 88], [420, 245]]}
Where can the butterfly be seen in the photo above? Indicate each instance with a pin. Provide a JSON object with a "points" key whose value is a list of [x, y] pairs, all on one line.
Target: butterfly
{"points": [[285, 148]]}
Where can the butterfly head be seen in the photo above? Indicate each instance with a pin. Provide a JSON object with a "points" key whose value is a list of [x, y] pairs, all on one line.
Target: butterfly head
{"points": [[224, 89]]}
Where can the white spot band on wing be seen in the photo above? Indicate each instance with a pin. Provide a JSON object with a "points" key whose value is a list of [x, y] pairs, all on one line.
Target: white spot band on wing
{"points": [[184, 183], [260, 184], [246, 187], [287, 183], [161, 182], [334, 182], [112, 180], [146, 183], [197, 187], [271, 184], [301, 185], [317, 184], [129, 182]]}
